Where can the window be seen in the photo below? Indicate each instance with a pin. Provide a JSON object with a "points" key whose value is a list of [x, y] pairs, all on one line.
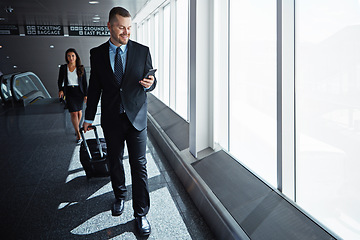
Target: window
{"points": [[155, 54], [253, 85], [182, 58], [139, 33], [328, 113], [166, 66]]}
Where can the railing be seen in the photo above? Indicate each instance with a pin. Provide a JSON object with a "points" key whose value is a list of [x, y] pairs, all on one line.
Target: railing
{"points": [[21, 89]]}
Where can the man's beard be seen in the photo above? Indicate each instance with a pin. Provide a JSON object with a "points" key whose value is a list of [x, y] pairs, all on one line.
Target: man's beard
{"points": [[123, 42]]}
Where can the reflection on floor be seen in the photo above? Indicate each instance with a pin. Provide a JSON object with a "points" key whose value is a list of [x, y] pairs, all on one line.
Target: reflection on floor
{"points": [[45, 194]]}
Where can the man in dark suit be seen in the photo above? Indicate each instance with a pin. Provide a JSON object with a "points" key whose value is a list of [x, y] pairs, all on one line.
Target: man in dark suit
{"points": [[117, 75]]}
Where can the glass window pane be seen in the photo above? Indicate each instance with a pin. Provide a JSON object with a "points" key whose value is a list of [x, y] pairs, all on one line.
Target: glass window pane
{"points": [[182, 58], [166, 69], [139, 33], [328, 113], [144, 33], [148, 33], [253, 85], [155, 55]]}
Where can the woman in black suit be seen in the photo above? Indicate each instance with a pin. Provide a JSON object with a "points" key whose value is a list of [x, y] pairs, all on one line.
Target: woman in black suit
{"points": [[72, 85]]}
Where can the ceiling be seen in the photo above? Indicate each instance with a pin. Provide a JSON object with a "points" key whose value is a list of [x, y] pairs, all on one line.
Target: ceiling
{"points": [[62, 12], [43, 54]]}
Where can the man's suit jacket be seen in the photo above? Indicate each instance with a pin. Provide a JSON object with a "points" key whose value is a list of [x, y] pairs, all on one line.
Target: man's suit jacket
{"points": [[130, 92], [63, 80]]}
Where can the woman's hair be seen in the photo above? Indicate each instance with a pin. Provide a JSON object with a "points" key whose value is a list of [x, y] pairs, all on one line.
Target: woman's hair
{"points": [[79, 67]]}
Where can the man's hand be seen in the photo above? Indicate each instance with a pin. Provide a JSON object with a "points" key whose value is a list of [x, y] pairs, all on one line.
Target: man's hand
{"points": [[147, 82], [86, 126]]}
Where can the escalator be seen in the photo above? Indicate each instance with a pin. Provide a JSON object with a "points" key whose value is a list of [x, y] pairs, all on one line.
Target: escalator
{"points": [[25, 103], [21, 89]]}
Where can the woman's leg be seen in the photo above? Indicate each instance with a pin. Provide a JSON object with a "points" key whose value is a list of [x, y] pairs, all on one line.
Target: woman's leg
{"points": [[79, 116], [75, 121]]}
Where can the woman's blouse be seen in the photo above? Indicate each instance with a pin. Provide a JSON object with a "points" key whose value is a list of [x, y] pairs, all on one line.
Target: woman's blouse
{"points": [[72, 78]]}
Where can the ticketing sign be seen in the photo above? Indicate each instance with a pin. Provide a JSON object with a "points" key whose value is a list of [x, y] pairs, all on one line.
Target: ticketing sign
{"points": [[44, 30]]}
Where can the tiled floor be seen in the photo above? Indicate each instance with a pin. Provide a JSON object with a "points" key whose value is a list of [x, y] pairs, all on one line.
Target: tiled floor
{"points": [[45, 194]]}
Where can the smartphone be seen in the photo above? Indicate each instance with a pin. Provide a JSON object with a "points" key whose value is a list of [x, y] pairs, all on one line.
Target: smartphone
{"points": [[151, 72]]}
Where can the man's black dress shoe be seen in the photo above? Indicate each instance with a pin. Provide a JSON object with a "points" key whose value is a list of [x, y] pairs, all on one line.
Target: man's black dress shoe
{"points": [[117, 208], [143, 226]]}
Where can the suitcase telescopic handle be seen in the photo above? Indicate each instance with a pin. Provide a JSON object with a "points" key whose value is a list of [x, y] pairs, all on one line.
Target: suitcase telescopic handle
{"points": [[97, 141]]}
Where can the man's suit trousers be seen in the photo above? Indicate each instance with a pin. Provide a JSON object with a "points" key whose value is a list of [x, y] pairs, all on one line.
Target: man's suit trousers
{"points": [[116, 136]]}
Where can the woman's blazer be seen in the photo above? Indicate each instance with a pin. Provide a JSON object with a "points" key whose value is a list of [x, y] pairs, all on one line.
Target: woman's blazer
{"points": [[64, 79]]}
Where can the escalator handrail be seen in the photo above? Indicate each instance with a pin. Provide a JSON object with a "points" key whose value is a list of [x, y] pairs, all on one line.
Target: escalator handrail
{"points": [[19, 75], [39, 82], [46, 93], [2, 97], [14, 96], [13, 93], [3, 78]]}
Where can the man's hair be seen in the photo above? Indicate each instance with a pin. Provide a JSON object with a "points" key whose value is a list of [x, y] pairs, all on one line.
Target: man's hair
{"points": [[118, 11]]}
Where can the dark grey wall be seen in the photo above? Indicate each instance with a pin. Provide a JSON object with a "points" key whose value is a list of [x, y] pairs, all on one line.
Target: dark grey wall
{"points": [[33, 53]]}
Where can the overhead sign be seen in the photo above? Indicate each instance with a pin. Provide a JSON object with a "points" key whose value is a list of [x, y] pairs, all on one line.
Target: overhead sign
{"points": [[48, 30], [9, 30], [88, 31]]}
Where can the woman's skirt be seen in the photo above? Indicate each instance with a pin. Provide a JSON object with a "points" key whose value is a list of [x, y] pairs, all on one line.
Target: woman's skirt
{"points": [[74, 98]]}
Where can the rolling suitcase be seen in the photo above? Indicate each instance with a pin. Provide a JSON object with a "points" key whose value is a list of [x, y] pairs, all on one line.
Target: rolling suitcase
{"points": [[93, 155]]}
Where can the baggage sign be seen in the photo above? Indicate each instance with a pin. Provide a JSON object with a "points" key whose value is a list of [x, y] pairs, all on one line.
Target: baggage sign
{"points": [[44, 30]]}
